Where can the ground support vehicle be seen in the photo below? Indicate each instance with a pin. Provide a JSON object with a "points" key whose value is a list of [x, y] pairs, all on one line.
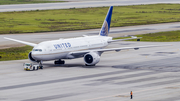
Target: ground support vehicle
{"points": [[31, 67]]}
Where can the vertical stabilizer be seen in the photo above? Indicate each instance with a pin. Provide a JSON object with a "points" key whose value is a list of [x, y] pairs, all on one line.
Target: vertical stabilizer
{"points": [[106, 25]]}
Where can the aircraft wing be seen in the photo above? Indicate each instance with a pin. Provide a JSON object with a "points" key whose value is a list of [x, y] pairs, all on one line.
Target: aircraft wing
{"points": [[23, 42], [113, 49]]}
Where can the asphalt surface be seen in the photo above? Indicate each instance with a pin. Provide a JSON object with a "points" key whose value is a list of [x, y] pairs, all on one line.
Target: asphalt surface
{"points": [[79, 4], [151, 73]]}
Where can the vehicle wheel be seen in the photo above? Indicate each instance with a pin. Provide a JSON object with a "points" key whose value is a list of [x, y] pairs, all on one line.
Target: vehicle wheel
{"points": [[33, 68], [37, 68]]}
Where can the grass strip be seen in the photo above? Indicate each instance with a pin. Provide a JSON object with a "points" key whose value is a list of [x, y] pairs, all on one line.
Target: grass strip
{"points": [[15, 53], [86, 18], [170, 36], [6, 2]]}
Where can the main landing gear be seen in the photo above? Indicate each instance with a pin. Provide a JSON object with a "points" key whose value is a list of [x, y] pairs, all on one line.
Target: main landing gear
{"points": [[59, 62]]}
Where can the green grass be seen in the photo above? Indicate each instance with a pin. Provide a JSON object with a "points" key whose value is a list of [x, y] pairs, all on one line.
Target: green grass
{"points": [[86, 18], [6, 2], [15, 53], [170, 36]]}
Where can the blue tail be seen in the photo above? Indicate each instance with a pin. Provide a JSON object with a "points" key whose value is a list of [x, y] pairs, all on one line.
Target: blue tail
{"points": [[106, 25]]}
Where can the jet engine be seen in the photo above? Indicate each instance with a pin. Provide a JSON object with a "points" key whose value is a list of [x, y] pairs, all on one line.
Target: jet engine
{"points": [[31, 58], [91, 58]]}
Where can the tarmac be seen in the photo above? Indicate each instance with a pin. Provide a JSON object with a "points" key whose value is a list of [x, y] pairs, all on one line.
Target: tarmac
{"points": [[151, 73]]}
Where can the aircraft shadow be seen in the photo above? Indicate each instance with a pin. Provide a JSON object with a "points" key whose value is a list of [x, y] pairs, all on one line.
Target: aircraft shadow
{"points": [[48, 65]]}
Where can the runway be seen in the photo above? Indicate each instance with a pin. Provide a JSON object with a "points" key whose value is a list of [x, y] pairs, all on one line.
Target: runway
{"points": [[151, 73], [79, 4]]}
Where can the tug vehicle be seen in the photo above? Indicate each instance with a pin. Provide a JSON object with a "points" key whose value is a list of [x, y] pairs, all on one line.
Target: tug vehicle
{"points": [[31, 67]]}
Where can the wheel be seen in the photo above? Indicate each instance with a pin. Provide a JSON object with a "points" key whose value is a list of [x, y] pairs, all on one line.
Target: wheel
{"points": [[37, 68], [56, 62], [62, 62], [33, 68], [59, 62]]}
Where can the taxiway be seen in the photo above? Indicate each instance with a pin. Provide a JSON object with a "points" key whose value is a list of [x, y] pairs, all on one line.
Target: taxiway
{"points": [[151, 73], [79, 4]]}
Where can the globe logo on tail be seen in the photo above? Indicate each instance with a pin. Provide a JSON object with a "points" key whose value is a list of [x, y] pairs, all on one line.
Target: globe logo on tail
{"points": [[104, 29]]}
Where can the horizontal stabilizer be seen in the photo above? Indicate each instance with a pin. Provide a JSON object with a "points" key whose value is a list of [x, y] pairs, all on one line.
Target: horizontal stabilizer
{"points": [[124, 39]]}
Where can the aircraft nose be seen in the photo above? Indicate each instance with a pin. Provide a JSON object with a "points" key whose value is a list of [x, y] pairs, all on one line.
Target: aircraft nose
{"points": [[33, 54], [36, 53]]}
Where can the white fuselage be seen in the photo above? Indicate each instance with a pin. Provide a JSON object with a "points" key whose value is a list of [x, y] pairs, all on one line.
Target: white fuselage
{"points": [[60, 49]]}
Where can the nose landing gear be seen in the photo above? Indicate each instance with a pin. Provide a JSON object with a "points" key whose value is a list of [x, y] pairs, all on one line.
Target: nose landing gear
{"points": [[40, 65]]}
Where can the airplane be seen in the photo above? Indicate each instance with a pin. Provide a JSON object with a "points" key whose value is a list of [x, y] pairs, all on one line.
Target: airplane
{"points": [[89, 47]]}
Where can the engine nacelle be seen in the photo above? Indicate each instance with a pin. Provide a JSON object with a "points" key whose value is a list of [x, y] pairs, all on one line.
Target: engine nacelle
{"points": [[91, 58], [31, 58]]}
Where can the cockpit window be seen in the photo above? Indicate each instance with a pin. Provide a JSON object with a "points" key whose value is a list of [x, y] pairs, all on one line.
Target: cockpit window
{"points": [[40, 50]]}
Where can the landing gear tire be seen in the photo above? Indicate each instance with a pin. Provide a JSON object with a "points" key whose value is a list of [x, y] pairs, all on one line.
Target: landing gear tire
{"points": [[59, 62], [62, 62]]}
